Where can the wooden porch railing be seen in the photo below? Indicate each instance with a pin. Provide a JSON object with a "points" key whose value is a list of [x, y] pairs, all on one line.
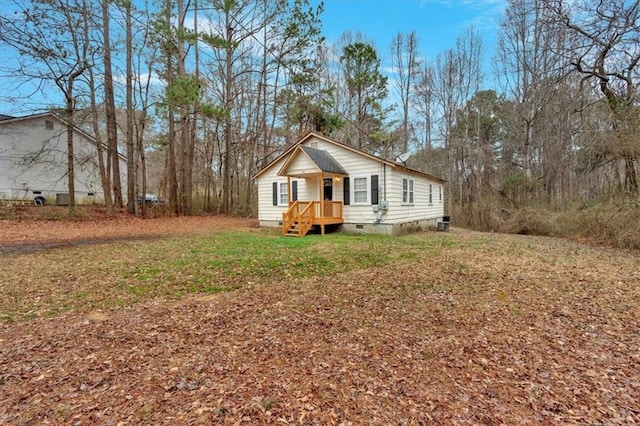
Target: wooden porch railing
{"points": [[305, 219], [299, 218], [332, 210], [289, 216]]}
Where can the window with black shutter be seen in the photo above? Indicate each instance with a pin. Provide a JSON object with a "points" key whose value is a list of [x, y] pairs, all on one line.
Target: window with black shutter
{"points": [[345, 191], [275, 193], [374, 189]]}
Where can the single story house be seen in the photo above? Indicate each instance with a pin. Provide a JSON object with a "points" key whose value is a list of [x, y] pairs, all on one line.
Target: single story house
{"points": [[321, 182], [33, 161]]}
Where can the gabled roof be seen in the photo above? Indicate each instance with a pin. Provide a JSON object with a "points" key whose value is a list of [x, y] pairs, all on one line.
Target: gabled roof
{"points": [[322, 160], [52, 115], [9, 120], [347, 147]]}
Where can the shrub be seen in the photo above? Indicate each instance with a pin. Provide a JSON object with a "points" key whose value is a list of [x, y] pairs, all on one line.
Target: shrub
{"points": [[611, 223], [615, 223], [532, 221]]}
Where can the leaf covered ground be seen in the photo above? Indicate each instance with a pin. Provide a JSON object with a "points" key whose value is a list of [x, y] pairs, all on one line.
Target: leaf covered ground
{"points": [[431, 328]]}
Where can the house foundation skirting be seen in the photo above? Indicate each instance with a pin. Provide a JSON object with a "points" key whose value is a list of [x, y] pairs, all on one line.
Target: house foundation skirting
{"points": [[271, 223], [375, 228], [390, 228]]}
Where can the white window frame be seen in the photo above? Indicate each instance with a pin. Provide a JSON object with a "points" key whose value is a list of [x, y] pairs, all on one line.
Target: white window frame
{"points": [[283, 190], [440, 193], [408, 194], [367, 180]]}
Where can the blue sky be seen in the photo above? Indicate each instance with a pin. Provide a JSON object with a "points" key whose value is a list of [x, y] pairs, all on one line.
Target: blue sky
{"points": [[438, 23]]}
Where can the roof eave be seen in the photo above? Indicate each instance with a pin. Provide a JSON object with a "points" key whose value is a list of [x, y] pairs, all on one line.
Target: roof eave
{"points": [[355, 150]]}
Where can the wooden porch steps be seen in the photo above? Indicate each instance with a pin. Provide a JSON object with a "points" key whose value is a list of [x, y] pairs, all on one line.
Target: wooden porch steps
{"points": [[293, 230], [303, 215]]}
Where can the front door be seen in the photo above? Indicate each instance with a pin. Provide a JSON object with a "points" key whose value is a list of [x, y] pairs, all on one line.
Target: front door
{"points": [[327, 189]]}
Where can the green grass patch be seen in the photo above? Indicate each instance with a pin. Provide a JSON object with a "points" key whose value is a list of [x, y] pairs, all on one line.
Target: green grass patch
{"points": [[234, 259], [128, 272]]}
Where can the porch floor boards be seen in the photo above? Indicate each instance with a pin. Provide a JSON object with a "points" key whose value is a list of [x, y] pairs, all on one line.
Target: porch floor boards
{"points": [[328, 221]]}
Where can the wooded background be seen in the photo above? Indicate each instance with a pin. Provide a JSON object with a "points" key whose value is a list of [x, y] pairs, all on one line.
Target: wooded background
{"points": [[200, 94]]}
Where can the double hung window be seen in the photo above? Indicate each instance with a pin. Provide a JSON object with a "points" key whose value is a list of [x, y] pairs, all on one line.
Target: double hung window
{"points": [[283, 194], [407, 190], [360, 190]]}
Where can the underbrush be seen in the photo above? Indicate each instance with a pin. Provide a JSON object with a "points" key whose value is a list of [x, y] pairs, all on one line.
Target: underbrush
{"points": [[613, 224], [616, 224], [34, 212], [81, 212]]}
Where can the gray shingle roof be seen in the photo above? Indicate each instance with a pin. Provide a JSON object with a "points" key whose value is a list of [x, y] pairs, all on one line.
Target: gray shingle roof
{"points": [[324, 160]]}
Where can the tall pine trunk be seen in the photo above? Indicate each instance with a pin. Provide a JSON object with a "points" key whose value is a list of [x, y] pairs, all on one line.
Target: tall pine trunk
{"points": [[110, 109], [131, 155]]}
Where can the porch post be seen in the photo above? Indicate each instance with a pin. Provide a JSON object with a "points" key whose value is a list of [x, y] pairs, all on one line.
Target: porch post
{"points": [[322, 203]]}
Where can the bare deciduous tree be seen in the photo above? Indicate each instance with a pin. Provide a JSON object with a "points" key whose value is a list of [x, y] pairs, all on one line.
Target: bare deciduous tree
{"points": [[406, 66], [49, 39], [606, 51], [529, 67]]}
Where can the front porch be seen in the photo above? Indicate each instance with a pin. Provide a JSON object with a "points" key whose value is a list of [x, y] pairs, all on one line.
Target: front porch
{"points": [[302, 215], [319, 171]]}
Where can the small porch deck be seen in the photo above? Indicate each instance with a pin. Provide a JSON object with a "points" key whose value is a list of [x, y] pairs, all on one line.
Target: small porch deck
{"points": [[302, 215]]}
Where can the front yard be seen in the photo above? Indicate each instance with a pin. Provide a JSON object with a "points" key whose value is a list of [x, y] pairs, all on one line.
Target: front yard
{"points": [[243, 325]]}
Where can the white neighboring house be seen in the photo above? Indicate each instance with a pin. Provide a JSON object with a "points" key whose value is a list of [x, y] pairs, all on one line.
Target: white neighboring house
{"points": [[33, 161], [320, 182]]}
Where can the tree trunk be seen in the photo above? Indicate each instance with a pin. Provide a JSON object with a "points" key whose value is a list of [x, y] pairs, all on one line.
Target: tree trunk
{"points": [[105, 176], [131, 156], [228, 136], [110, 109], [170, 171], [70, 155]]}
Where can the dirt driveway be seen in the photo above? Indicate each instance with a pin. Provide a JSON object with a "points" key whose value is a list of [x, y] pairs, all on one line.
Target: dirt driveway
{"points": [[26, 235]]}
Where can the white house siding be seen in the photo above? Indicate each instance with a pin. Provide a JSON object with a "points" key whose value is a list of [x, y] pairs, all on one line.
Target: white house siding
{"points": [[268, 214], [33, 157], [302, 165], [397, 218], [308, 190], [389, 189], [421, 209], [357, 166]]}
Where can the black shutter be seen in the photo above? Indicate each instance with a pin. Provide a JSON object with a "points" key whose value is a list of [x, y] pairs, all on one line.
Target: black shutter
{"points": [[275, 193], [294, 190], [374, 189], [345, 191]]}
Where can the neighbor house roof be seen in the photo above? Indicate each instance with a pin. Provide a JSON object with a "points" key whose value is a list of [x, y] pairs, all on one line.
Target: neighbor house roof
{"points": [[8, 120], [347, 147]]}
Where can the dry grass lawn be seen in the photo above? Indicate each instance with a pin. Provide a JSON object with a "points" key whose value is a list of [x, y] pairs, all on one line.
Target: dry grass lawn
{"points": [[468, 328]]}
